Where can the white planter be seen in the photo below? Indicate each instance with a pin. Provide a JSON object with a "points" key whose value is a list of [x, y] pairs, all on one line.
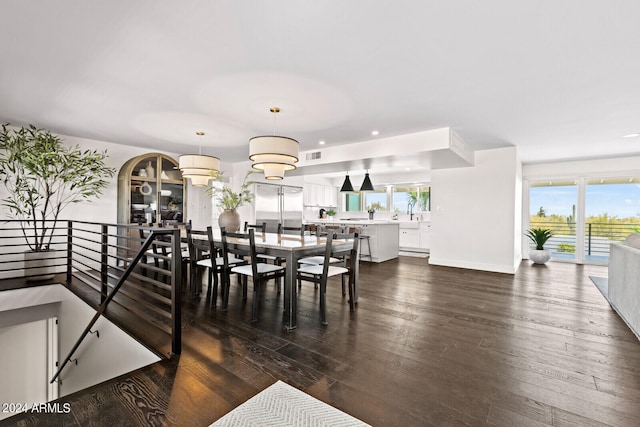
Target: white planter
{"points": [[539, 256], [40, 265]]}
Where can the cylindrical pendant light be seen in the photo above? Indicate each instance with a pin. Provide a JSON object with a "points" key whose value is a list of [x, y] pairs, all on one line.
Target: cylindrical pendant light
{"points": [[199, 168], [273, 154]]}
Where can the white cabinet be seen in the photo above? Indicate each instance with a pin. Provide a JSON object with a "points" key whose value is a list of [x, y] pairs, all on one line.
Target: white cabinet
{"points": [[317, 195], [415, 236], [409, 238], [382, 240]]}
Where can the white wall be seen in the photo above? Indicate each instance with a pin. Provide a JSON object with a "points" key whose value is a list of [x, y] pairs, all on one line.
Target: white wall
{"points": [[23, 364], [621, 166], [99, 359], [476, 213]]}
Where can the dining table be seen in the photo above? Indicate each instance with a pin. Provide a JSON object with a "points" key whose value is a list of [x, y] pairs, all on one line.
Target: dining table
{"points": [[290, 248]]}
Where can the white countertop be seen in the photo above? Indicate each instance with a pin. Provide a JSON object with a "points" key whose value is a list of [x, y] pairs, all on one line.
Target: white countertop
{"points": [[361, 221]]}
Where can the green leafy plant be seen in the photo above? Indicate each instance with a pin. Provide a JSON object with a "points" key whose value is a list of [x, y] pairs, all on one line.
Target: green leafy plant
{"points": [[376, 206], [539, 236], [331, 212], [43, 176], [226, 198], [412, 199]]}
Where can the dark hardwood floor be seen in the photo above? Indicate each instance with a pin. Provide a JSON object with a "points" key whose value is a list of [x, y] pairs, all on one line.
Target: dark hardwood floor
{"points": [[427, 346]]}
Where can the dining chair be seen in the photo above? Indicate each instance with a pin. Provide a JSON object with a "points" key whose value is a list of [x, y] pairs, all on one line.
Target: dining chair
{"points": [[184, 252], [199, 250], [320, 273], [291, 230], [217, 265], [319, 259], [260, 272], [153, 255], [261, 228]]}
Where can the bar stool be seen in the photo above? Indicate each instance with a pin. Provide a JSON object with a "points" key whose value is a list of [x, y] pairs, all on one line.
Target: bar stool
{"points": [[362, 237]]}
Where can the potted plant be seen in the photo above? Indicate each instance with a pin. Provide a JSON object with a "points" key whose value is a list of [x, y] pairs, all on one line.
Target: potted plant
{"points": [[43, 176], [539, 237], [229, 201], [331, 212]]}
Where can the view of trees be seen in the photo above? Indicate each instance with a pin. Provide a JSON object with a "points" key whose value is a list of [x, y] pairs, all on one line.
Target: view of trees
{"points": [[603, 225]]}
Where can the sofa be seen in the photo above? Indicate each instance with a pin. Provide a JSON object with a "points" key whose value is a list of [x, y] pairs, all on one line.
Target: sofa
{"points": [[624, 280]]}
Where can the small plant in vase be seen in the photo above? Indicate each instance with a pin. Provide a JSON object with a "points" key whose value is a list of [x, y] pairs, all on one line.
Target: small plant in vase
{"points": [[331, 213], [229, 201], [539, 237]]}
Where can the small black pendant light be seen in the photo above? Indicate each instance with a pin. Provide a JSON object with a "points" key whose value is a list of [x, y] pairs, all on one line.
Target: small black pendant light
{"points": [[346, 185], [366, 184]]}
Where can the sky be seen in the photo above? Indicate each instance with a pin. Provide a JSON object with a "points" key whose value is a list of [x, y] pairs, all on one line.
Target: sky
{"points": [[619, 200]]}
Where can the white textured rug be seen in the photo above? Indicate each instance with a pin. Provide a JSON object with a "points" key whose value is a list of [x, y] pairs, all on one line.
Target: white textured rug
{"points": [[282, 405]]}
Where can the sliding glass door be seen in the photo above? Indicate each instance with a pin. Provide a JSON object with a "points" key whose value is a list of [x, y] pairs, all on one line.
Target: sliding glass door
{"points": [[585, 215], [612, 211], [552, 205]]}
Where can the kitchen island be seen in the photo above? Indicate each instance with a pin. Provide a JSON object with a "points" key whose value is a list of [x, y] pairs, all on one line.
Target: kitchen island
{"points": [[383, 237]]}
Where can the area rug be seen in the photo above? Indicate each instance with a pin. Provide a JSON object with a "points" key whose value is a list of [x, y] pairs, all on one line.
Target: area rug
{"points": [[602, 283], [282, 405]]}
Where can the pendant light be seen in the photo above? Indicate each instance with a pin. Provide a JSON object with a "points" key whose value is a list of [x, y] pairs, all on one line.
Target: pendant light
{"points": [[198, 167], [366, 184], [346, 185], [273, 154]]}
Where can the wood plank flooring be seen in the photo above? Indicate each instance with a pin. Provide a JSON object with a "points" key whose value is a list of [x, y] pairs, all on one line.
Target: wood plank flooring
{"points": [[427, 346]]}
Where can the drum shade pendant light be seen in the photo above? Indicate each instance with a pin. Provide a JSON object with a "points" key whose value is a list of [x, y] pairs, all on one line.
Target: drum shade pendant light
{"points": [[366, 184], [273, 154], [198, 167], [346, 185]]}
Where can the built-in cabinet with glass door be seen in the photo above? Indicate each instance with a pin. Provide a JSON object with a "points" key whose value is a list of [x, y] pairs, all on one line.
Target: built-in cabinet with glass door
{"points": [[151, 191]]}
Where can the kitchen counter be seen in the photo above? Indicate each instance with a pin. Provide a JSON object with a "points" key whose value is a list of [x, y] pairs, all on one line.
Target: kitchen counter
{"points": [[383, 241], [362, 221]]}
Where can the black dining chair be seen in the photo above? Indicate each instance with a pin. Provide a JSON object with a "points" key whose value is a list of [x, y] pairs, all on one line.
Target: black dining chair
{"points": [[199, 250], [320, 273], [154, 256], [291, 231], [217, 265], [184, 251], [260, 272]]}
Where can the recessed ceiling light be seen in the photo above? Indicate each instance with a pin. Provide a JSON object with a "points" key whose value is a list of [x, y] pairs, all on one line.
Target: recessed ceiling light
{"points": [[407, 169], [200, 133], [374, 132], [321, 142], [631, 135]]}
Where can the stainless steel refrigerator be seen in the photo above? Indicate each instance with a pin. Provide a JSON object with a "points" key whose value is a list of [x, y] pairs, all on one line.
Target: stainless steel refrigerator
{"points": [[278, 204]]}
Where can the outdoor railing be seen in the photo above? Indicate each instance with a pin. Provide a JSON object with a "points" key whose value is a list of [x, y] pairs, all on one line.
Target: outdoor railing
{"points": [[94, 259], [597, 238]]}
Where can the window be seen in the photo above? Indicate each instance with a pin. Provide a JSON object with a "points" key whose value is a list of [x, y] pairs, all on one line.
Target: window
{"points": [[376, 200], [612, 211], [552, 205], [411, 199], [352, 202]]}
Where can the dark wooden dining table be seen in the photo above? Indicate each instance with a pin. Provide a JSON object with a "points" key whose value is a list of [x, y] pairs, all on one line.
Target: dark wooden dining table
{"points": [[290, 248]]}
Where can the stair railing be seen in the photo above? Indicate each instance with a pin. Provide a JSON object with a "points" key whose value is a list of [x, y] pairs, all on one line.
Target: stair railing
{"points": [[176, 338]]}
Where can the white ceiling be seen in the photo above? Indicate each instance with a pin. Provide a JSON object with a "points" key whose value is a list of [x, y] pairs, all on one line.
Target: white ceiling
{"points": [[558, 79]]}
